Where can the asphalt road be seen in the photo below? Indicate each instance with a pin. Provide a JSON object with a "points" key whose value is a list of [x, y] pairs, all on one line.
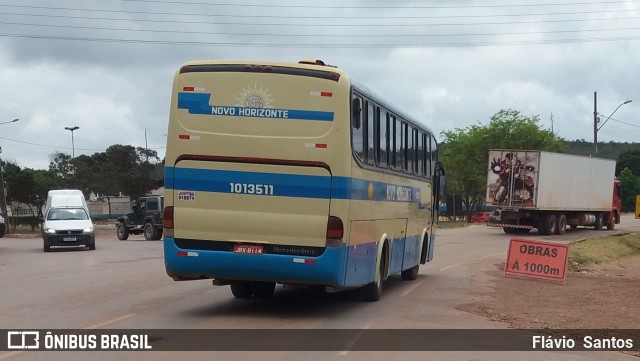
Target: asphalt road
{"points": [[123, 285]]}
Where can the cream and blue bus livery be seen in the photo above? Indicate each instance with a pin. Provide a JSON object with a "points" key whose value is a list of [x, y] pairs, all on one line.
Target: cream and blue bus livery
{"points": [[291, 173]]}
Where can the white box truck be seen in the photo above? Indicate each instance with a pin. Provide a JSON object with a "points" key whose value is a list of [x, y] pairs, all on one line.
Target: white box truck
{"points": [[550, 191]]}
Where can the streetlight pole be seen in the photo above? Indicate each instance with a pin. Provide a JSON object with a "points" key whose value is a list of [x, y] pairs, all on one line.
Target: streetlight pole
{"points": [[3, 190], [596, 128], [73, 147], [11, 121]]}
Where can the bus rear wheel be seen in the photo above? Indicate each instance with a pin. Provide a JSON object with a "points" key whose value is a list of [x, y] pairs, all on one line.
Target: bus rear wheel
{"points": [[411, 273], [241, 289], [262, 289], [373, 291]]}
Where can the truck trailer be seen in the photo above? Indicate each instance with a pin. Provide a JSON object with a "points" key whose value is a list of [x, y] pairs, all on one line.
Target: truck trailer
{"points": [[550, 191]]}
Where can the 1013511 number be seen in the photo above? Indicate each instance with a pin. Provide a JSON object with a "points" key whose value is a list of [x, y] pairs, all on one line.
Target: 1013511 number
{"points": [[250, 188]]}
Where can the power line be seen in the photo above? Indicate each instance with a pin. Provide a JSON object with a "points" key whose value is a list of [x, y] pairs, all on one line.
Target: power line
{"points": [[331, 45], [315, 35], [334, 16], [350, 25], [620, 121], [63, 147], [376, 7]]}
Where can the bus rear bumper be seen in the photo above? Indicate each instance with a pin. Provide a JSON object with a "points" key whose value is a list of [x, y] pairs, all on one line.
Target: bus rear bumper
{"points": [[185, 264]]}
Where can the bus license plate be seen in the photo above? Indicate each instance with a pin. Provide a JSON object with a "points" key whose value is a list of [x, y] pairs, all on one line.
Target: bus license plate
{"points": [[247, 249], [69, 239]]}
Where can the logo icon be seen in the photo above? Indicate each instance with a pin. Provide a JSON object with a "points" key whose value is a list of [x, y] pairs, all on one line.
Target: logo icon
{"points": [[255, 97], [23, 340]]}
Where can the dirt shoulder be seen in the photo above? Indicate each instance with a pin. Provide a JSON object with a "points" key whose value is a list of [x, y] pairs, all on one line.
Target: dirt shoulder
{"points": [[604, 297]]}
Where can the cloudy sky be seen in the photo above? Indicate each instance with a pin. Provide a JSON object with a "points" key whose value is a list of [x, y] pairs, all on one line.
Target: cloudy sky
{"points": [[107, 66]]}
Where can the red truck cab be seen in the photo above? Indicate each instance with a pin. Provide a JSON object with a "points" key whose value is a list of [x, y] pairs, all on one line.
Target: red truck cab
{"points": [[616, 203]]}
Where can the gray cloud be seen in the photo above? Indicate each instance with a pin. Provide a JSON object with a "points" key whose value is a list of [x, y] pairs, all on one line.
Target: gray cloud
{"points": [[109, 71]]}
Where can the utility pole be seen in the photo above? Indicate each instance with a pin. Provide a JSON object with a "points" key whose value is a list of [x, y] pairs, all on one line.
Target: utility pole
{"points": [[146, 147], [3, 197], [595, 123]]}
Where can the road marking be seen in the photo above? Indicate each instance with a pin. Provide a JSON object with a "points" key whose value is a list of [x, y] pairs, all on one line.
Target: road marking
{"points": [[98, 325], [403, 294], [493, 255], [448, 267], [353, 342]]}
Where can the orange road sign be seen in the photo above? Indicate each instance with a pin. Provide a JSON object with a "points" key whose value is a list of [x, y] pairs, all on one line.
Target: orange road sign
{"points": [[637, 206], [537, 259]]}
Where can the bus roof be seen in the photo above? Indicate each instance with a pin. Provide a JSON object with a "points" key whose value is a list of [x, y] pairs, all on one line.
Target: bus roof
{"points": [[314, 64]]}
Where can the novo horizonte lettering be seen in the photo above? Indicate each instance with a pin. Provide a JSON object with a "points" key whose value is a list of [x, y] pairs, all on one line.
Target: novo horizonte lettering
{"points": [[250, 112]]}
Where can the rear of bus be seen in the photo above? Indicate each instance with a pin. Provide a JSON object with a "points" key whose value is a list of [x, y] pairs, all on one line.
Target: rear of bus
{"points": [[256, 173]]}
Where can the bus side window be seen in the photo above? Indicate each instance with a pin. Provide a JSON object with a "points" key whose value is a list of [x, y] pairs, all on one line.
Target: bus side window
{"points": [[370, 133], [399, 159], [427, 166], [421, 155], [383, 138], [411, 150], [357, 130], [434, 154]]}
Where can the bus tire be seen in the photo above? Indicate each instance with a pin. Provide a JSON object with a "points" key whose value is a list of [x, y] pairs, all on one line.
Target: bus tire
{"points": [[411, 273], [424, 254], [241, 289], [373, 291], [262, 289]]}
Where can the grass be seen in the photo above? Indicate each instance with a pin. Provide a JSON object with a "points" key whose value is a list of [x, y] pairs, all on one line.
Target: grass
{"points": [[601, 250]]}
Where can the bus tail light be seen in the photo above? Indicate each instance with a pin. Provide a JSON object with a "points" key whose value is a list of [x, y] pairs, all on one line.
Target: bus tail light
{"points": [[167, 218], [335, 232], [167, 221]]}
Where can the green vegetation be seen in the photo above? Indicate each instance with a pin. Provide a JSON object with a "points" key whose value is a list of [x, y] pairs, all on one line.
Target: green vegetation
{"points": [[601, 250], [465, 151], [120, 169], [464, 154]]}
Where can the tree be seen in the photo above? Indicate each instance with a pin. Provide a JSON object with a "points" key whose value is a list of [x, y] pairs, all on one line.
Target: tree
{"points": [[30, 187], [119, 169], [629, 159], [131, 170], [630, 188], [62, 169], [465, 151]]}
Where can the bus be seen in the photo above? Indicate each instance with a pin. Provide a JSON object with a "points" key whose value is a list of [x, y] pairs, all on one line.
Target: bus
{"points": [[293, 174]]}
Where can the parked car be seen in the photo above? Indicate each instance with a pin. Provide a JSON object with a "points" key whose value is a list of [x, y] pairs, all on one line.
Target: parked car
{"points": [[480, 217]]}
